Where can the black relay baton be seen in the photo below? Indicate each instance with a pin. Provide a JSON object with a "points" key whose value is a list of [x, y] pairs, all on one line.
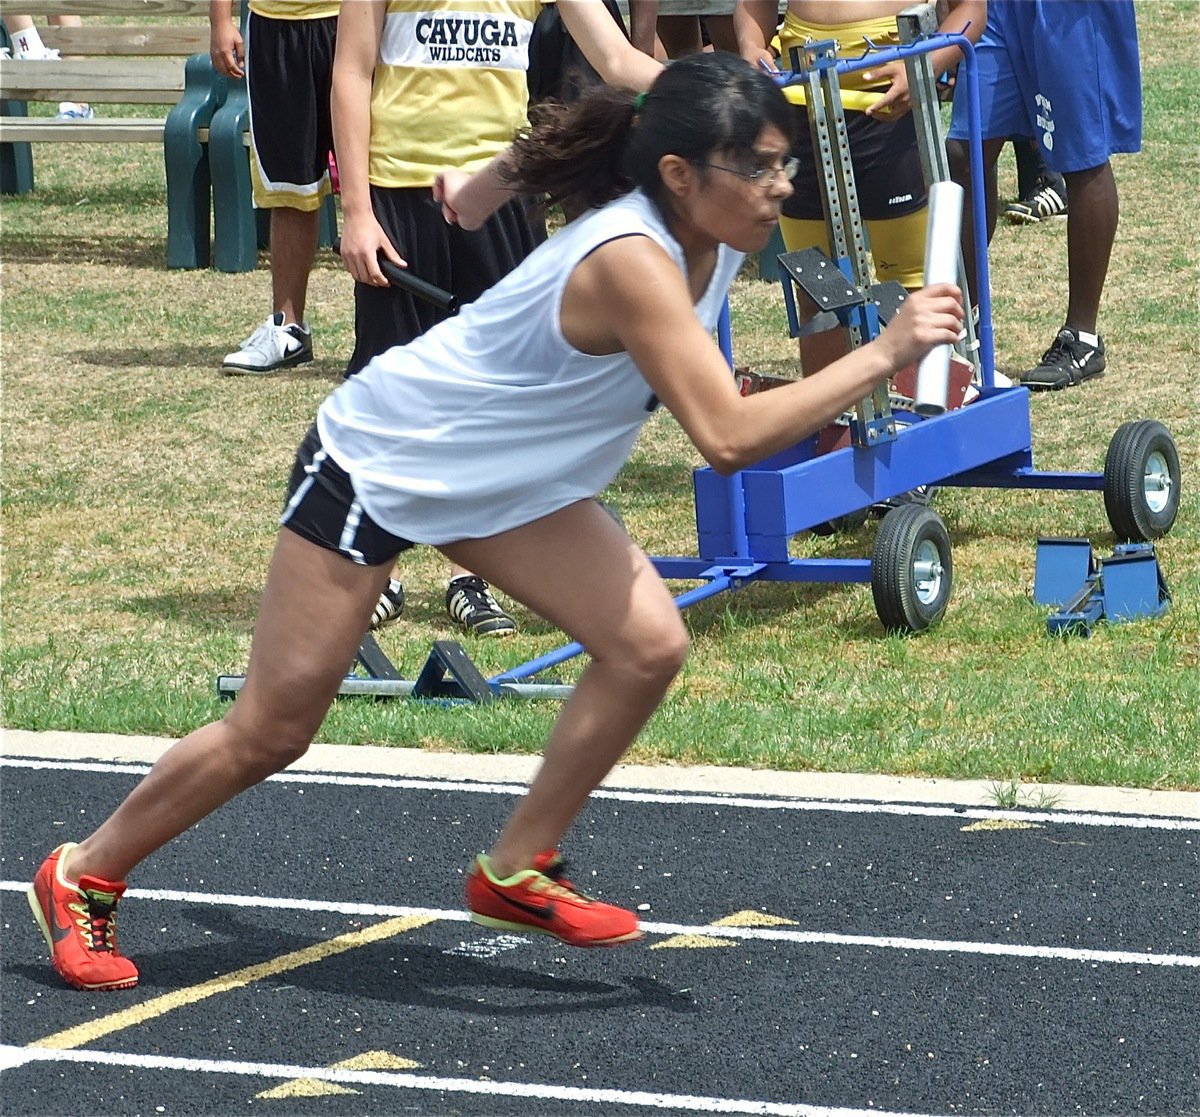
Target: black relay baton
{"points": [[414, 285]]}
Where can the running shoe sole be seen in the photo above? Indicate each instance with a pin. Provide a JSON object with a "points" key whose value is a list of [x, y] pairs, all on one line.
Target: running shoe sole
{"points": [[506, 925], [247, 370]]}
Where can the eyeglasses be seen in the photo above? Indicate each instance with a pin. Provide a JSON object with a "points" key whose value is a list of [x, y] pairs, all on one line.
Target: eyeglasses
{"points": [[766, 177]]}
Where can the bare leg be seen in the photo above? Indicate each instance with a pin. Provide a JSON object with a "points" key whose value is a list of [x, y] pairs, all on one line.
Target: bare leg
{"points": [[579, 570], [721, 33], [314, 611], [17, 23], [1092, 214], [960, 171], [294, 235], [680, 35]]}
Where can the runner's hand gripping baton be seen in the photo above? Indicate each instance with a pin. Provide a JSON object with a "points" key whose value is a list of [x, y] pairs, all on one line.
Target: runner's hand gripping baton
{"points": [[414, 285], [941, 266]]}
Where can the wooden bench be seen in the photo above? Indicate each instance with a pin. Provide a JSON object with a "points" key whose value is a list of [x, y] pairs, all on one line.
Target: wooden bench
{"points": [[127, 56]]}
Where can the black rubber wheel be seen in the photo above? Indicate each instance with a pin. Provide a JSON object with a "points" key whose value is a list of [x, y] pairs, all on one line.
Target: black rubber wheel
{"points": [[912, 572], [842, 525], [1141, 481]]}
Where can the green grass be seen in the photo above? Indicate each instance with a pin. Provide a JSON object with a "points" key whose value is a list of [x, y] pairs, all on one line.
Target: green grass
{"points": [[141, 489]]}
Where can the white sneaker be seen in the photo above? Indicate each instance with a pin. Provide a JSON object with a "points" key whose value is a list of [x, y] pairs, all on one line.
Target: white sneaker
{"points": [[74, 110], [45, 54], [271, 347]]}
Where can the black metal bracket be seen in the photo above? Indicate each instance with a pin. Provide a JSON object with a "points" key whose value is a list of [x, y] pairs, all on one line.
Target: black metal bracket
{"points": [[821, 279], [374, 659], [449, 673], [887, 297]]}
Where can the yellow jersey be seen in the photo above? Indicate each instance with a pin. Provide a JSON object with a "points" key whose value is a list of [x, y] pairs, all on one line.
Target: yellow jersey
{"points": [[449, 88]]}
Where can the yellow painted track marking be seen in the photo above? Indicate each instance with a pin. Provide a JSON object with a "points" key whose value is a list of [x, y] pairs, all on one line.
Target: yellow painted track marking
{"points": [[304, 1088], [999, 824], [315, 1087], [751, 918], [691, 942], [83, 1034]]}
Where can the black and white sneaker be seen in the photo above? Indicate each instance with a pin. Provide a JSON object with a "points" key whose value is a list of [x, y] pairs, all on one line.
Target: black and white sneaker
{"points": [[273, 346], [389, 606], [1047, 199], [470, 603], [1070, 360]]}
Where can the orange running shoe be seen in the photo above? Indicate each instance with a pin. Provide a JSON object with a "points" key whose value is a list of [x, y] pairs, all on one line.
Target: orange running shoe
{"points": [[542, 899], [80, 925]]}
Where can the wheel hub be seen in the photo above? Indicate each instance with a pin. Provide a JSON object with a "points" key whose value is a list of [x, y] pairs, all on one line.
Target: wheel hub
{"points": [[1156, 483], [927, 572]]}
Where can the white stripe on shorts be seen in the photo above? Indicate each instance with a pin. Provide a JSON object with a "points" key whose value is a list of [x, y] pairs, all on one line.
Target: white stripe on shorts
{"points": [[353, 517], [310, 470], [349, 531]]}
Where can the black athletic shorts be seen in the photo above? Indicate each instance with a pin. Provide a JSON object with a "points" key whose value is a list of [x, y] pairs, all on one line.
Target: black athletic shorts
{"points": [[289, 75], [464, 263], [887, 168], [321, 506]]}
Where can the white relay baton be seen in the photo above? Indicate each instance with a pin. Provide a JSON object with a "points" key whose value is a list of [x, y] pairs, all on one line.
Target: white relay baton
{"points": [[941, 266]]}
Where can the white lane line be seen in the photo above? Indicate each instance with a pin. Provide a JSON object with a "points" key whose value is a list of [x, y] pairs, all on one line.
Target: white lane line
{"points": [[1079, 818], [10, 1057], [762, 934]]}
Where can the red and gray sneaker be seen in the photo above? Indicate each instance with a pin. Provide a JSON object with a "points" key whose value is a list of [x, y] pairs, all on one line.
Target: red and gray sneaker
{"points": [[79, 921], [542, 899]]}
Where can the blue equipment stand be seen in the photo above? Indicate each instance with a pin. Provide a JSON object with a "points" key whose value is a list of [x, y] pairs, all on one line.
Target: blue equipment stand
{"points": [[1126, 586]]}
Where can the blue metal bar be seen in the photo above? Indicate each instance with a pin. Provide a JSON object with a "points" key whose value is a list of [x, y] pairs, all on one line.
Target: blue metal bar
{"points": [[820, 570], [570, 651], [733, 483], [970, 88], [1026, 479]]}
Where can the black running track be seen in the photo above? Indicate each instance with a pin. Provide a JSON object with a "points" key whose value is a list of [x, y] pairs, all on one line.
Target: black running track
{"points": [[305, 951]]}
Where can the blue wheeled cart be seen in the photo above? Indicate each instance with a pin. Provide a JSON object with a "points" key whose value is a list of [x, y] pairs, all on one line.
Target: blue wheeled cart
{"points": [[744, 522]]}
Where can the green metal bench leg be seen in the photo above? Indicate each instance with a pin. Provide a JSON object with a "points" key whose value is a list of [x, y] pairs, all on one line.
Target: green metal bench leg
{"points": [[329, 224], [16, 160], [189, 183], [235, 231]]}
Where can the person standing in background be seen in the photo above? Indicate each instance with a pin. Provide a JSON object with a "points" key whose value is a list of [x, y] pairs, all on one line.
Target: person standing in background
{"points": [[287, 61], [419, 87], [1081, 115]]}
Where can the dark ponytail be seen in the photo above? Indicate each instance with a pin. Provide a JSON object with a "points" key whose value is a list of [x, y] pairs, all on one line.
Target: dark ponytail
{"points": [[609, 142], [574, 153]]}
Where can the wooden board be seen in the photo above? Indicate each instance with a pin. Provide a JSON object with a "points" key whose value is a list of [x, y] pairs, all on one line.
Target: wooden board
{"points": [[42, 129], [143, 81]]}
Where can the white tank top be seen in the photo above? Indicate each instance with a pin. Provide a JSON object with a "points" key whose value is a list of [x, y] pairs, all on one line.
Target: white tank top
{"points": [[491, 419]]}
